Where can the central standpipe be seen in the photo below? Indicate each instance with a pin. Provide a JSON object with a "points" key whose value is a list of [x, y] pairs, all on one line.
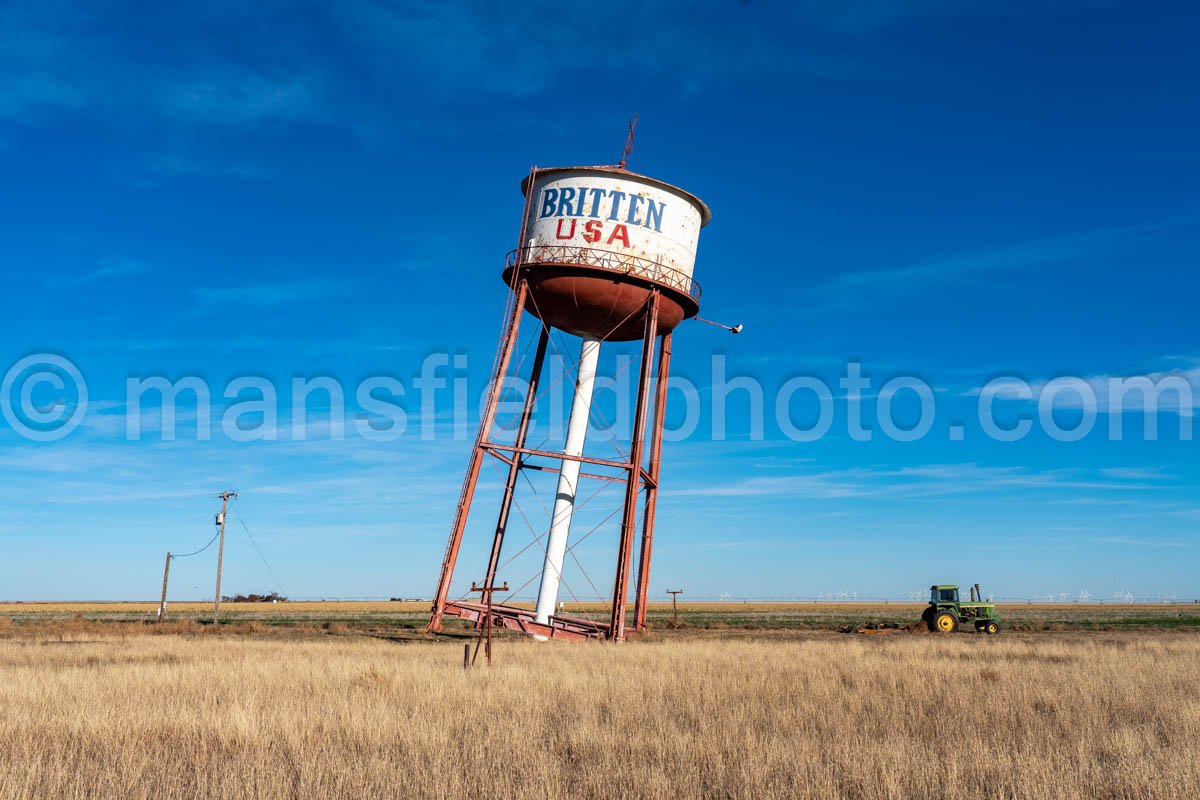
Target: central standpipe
{"points": [[568, 481]]}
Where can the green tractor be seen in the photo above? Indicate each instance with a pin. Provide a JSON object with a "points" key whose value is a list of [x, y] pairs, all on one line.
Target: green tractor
{"points": [[945, 613]]}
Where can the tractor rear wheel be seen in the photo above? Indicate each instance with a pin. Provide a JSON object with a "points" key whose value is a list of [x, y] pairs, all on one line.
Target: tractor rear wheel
{"points": [[992, 627], [946, 622], [927, 617]]}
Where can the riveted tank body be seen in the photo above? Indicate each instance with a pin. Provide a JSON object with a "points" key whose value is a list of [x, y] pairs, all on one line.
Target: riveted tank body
{"points": [[598, 240]]}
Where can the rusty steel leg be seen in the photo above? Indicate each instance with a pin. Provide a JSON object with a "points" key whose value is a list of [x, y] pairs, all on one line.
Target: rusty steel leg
{"points": [[477, 454], [633, 482], [656, 433], [514, 469]]}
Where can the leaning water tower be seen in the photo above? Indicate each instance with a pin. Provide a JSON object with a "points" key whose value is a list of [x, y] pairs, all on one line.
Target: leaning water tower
{"points": [[606, 255]]}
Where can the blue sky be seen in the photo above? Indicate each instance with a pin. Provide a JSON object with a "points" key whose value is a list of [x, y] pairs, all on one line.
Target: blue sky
{"points": [[950, 191]]}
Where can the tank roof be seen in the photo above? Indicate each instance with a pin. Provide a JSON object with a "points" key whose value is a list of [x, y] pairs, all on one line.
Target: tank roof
{"points": [[705, 211]]}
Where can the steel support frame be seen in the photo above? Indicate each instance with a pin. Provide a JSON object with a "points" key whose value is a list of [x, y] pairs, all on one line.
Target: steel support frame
{"points": [[651, 501], [467, 495], [636, 477], [515, 464], [634, 483]]}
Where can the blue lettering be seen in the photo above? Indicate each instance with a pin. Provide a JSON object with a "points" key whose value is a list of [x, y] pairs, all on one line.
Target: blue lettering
{"points": [[597, 196], [654, 212], [635, 200], [549, 202], [617, 197], [566, 196], [571, 201]]}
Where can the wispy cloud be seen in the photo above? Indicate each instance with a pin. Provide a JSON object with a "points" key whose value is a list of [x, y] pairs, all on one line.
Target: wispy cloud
{"points": [[113, 268], [273, 294], [927, 481], [181, 163], [857, 287], [451, 47], [1137, 541], [777, 544], [862, 17], [1176, 390], [1137, 474], [59, 59], [854, 288], [824, 486], [242, 97]]}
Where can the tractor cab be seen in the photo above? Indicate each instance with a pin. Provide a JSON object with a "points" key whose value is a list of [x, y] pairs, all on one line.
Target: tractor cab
{"points": [[943, 594]]}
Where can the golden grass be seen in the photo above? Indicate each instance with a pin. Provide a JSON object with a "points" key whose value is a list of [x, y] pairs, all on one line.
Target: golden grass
{"points": [[232, 609], [352, 608], [1049, 716]]}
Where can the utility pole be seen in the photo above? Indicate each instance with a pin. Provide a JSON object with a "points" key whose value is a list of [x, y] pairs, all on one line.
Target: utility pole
{"points": [[225, 498], [674, 606], [162, 604]]}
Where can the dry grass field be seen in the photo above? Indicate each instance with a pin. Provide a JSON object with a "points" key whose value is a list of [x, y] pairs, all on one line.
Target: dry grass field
{"points": [[713, 617], [89, 711]]}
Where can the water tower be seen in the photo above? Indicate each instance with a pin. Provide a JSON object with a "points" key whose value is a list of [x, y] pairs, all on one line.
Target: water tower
{"points": [[606, 255]]}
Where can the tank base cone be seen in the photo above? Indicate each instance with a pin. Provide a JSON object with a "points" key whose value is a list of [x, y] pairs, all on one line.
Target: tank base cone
{"points": [[596, 302]]}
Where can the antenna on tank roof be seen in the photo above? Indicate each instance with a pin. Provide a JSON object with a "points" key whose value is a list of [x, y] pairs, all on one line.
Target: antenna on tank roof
{"points": [[628, 143]]}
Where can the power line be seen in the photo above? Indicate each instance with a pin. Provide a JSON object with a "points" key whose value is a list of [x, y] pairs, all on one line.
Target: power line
{"points": [[259, 550], [197, 552]]}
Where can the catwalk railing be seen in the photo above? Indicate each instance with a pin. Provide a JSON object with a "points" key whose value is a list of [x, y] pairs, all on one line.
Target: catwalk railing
{"points": [[625, 263]]}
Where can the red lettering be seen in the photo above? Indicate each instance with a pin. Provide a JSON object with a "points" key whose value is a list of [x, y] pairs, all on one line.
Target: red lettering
{"points": [[559, 233], [592, 230], [619, 233]]}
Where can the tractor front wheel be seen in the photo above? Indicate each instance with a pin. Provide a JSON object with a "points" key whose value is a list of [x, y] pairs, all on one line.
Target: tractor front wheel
{"points": [[992, 627], [946, 622]]}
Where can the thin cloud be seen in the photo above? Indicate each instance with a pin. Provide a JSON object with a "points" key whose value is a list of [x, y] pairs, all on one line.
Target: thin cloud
{"points": [[1020, 255], [242, 97], [1175, 391], [856, 288], [63, 62], [826, 486], [118, 267], [776, 544], [181, 164], [448, 48], [1133, 541], [108, 269], [59, 61], [929, 481], [273, 294], [863, 17], [1137, 474]]}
